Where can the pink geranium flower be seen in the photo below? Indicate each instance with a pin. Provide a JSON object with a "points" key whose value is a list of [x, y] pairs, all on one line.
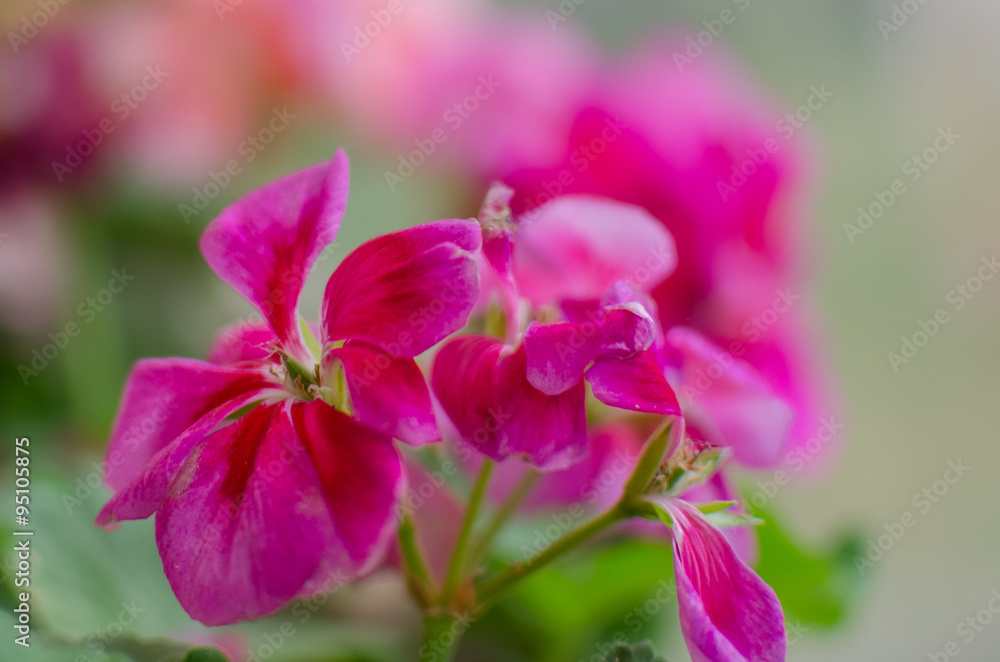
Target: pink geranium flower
{"points": [[273, 469], [525, 397]]}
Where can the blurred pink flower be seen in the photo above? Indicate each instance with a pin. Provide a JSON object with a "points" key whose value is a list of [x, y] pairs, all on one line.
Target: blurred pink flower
{"points": [[674, 144], [525, 398]]}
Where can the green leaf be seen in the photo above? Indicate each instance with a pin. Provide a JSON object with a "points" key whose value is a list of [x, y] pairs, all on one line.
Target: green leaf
{"points": [[205, 655], [45, 646], [816, 587]]}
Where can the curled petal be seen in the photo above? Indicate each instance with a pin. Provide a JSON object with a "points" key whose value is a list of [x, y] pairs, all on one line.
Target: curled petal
{"points": [[162, 399], [389, 394], [144, 495], [727, 612], [559, 352], [575, 247], [487, 395], [407, 290], [728, 401], [636, 383], [265, 243]]}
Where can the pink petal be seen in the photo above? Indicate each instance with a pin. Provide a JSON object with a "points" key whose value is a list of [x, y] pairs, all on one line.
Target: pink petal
{"points": [[559, 352], [405, 291], [163, 398], [576, 246], [361, 476], [635, 383], [389, 394], [144, 495], [265, 504], [243, 341], [496, 409], [728, 401], [265, 243], [727, 612]]}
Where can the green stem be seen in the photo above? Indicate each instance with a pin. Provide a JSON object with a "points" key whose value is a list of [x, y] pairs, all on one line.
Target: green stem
{"points": [[418, 578], [506, 511], [457, 562], [440, 638], [494, 588]]}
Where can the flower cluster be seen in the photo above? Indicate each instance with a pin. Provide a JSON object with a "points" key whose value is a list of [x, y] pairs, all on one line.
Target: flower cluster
{"points": [[279, 468]]}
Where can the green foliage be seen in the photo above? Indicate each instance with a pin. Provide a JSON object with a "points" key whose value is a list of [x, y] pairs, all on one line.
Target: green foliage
{"points": [[575, 607], [815, 587], [641, 652], [205, 655]]}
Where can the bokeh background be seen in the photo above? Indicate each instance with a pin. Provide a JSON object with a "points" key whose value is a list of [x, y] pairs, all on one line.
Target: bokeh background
{"points": [[231, 66]]}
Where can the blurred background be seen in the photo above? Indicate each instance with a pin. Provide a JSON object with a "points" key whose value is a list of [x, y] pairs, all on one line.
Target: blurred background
{"points": [[126, 127]]}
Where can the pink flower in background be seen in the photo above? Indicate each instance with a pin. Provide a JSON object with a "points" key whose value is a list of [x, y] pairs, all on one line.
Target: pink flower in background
{"points": [[678, 145], [525, 398], [727, 612], [275, 469], [726, 400]]}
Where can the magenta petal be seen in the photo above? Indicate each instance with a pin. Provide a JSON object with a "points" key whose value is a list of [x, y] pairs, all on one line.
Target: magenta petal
{"points": [[362, 478], [163, 398], [389, 394], [575, 247], [464, 380], [727, 612], [265, 243], [496, 409], [144, 495], [729, 402], [635, 383], [559, 352], [243, 341], [264, 504], [407, 290], [549, 431]]}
